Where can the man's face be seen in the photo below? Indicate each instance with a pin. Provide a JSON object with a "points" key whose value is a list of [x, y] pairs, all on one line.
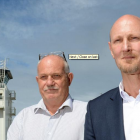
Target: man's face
{"points": [[52, 80], [125, 45]]}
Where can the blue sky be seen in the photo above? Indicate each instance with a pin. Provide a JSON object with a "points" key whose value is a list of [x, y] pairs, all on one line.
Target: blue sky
{"points": [[30, 27]]}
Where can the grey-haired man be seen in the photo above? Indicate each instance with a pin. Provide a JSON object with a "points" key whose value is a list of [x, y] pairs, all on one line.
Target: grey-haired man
{"points": [[57, 116]]}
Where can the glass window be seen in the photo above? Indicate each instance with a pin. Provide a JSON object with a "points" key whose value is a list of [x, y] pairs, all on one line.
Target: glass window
{"points": [[0, 95]]}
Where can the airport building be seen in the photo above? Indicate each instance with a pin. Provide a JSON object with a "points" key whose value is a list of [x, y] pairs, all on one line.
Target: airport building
{"points": [[6, 99]]}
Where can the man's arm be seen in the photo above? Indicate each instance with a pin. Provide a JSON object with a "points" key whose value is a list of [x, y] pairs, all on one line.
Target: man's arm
{"points": [[89, 133]]}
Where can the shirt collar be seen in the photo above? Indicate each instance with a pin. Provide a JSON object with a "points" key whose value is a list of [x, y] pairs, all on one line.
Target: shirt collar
{"points": [[125, 96], [40, 105], [68, 102]]}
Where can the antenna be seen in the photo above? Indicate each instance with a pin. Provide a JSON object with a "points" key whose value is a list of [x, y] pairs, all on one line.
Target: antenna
{"points": [[5, 74]]}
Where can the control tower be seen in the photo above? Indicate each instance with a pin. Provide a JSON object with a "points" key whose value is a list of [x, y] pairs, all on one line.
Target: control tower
{"points": [[6, 98]]}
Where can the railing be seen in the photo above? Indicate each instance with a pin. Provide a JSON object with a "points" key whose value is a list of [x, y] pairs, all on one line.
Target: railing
{"points": [[12, 95], [2, 85], [13, 111], [2, 70]]}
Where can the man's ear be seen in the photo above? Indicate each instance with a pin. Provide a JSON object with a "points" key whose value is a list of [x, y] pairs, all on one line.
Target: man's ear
{"points": [[37, 79], [70, 78], [109, 43]]}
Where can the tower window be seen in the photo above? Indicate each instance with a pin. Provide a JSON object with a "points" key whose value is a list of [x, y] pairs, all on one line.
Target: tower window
{"points": [[0, 95]]}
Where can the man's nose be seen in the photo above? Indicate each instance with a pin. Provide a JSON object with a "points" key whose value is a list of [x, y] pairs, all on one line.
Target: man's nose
{"points": [[50, 81], [126, 45]]}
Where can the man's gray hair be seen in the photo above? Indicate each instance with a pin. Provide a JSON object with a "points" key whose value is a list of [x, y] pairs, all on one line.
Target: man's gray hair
{"points": [[66, 65]]}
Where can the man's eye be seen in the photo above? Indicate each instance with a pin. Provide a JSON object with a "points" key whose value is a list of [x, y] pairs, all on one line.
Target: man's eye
{"points": [[117, 40], [43, 77], [134, 38], [56, 76]]}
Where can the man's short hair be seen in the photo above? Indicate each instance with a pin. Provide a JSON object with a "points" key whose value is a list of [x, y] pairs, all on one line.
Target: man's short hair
{"points": [[66, 65]]}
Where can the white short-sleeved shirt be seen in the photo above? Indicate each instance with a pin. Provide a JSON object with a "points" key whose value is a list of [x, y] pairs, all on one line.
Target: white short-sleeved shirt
{"points": [[36, 123]]}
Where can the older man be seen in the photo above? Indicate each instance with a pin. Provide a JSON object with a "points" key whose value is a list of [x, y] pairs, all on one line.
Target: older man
{"points": [[57, 116], [116, 114]]}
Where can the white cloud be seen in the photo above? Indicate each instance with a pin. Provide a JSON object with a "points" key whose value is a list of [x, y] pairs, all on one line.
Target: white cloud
{"points": [[85, 3], [16, 23], [86, 96], [14, 30]]}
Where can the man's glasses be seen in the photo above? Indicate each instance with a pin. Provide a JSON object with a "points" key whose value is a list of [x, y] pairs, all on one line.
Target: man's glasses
{"points": [[59, 53]]}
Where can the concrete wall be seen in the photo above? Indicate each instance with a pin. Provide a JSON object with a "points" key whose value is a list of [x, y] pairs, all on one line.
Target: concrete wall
{"points": [[8, 107], [5, 112], [2, 137], [1, 125]]}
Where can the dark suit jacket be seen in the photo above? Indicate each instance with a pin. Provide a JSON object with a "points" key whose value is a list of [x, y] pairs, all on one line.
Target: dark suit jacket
{"points": [[104, 118]]}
